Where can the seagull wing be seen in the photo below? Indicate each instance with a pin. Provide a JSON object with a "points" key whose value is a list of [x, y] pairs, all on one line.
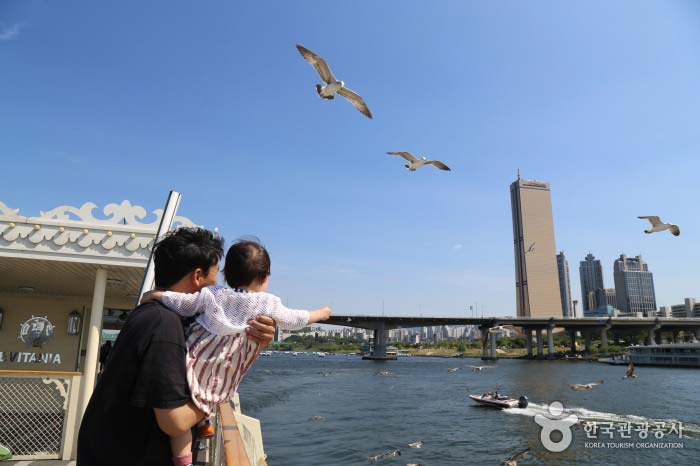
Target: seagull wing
{"points": [[318, 63], [675, 230], [408, 156], [438, 164], [653, 219], [356, 101], [517, 456]]}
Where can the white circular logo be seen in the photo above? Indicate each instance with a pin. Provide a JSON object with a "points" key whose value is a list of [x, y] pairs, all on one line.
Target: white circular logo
{"points": [[36, 331]]}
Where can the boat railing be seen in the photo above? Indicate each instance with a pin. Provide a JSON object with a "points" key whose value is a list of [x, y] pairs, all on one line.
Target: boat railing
{"points": [[238, 439]]}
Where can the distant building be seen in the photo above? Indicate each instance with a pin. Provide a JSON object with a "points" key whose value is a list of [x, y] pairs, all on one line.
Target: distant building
{"points": [[690, 308], [536, 278], [634, 285], [591, 273], [604, 297], [575, 308], [600, 311], [564, 285]]}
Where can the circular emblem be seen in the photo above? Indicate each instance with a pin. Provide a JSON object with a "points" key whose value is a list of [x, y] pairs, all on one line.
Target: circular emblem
{"points": [[36, 331]]}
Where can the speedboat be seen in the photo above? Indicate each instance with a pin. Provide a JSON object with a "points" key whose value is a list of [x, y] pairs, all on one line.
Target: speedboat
{"points": [[496, 400]]}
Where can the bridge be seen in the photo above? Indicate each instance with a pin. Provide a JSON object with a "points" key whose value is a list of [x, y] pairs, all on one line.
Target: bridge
{"points": [[588, 326]]}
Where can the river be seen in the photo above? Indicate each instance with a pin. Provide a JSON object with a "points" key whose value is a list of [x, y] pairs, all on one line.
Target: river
{"points": [[337, 411]]}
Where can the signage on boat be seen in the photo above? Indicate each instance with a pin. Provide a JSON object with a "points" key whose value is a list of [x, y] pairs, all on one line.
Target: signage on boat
{"points": [[36, 332]]}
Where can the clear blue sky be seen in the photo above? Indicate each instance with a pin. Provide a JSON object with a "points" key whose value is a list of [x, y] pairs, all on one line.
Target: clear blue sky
{"points": [[126, 100]]}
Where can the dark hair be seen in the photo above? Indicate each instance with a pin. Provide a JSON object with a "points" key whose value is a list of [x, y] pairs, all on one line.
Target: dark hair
{"points": [[247, 261], [184, 250]]}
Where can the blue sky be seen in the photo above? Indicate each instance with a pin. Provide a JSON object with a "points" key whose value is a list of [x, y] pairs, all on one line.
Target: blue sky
{"points": [[105, 102]]}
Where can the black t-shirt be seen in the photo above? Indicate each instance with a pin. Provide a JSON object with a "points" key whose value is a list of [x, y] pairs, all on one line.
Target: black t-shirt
{"points": [[145, 370]]}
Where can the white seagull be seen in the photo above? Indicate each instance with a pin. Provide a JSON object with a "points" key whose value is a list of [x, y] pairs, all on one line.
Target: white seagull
{"points": [[585, 386], [332, 86], [480, 368], [658, 225], [415, 162]]}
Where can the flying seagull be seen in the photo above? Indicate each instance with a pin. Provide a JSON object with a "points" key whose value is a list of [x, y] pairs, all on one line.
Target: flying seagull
{"points": [[415, 162], [658, 225], [531, 248], [585, 386], [418, 444], [480, 368], [332, 86], [513, 460], [630, 372], [453, 369]]}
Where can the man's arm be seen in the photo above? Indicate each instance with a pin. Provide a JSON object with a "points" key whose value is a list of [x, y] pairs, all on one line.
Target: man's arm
{"points": [[261, 330], [176, 421]]}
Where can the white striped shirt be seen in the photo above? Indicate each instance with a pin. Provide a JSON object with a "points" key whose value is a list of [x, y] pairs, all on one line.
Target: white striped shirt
{"points": [[218, 350]]}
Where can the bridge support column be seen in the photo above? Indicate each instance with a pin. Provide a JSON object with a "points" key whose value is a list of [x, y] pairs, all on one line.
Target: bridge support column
{"points": [[540, 350], [572, 341], [528, 342], [493, 345], [550, 342], [379, 343], [603, 337], [587, 341], [652, 336]]}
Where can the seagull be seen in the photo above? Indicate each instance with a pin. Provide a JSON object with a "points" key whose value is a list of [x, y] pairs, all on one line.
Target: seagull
{"points": [[317, 418], [630, 372], [480, 368], [383, 455], [658, 225], [513, 460], [418, 444], [497, 329], [585, 386], [332, 86], [419, 162], [383, 373], [453, 369]]}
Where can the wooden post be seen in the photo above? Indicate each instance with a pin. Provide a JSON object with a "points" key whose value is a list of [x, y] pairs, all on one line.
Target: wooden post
{"points": [[234, 448]]}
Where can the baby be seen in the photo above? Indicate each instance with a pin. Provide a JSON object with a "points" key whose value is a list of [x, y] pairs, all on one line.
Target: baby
{"points": [[218, 352]]}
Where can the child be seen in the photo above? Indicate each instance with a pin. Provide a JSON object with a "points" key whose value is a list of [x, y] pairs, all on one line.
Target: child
{"points": [[218, 352]]}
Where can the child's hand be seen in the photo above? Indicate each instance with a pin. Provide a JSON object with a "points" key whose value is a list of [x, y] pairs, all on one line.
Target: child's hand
{"points": [[325, 313], [154, 295]]}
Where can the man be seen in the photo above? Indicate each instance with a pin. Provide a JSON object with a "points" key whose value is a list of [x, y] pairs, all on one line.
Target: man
{"points": [[142, 398]]}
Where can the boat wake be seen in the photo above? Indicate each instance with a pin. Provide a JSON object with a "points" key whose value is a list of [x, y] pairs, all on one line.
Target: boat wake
{"points": [[689, 430]]}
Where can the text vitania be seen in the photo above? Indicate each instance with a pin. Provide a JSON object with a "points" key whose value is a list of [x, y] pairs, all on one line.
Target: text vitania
{"points": [[27, 357]]}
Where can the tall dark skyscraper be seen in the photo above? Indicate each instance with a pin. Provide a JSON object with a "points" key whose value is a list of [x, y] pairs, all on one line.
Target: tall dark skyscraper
{"points": [[564, 285], [591, 280], [634, 286]]}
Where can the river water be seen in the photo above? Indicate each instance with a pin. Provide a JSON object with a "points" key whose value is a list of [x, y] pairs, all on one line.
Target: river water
{"points": [[337, 411]]}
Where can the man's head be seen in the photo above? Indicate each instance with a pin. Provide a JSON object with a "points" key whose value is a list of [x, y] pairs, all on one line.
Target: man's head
{"points": [[247, 264], [187, 259]]}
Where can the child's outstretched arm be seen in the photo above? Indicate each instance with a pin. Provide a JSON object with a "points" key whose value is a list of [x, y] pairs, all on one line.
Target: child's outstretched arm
{"points": [[295, 319], [319, 315]]}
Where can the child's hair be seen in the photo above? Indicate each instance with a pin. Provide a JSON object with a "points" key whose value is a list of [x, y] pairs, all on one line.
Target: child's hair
{"points": [[247, 261]]}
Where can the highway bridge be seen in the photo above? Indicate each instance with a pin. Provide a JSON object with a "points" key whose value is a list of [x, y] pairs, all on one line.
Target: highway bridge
{"points": [[589, 327]]}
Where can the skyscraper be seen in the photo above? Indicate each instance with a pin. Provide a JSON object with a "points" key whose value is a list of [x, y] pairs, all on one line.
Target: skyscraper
{"points": [[591, 279], [634, 286], [564, 285], [536, 278]]}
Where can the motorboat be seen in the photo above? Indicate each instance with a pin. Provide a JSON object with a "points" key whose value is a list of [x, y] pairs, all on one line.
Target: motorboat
{"points": [[500, 401]]}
